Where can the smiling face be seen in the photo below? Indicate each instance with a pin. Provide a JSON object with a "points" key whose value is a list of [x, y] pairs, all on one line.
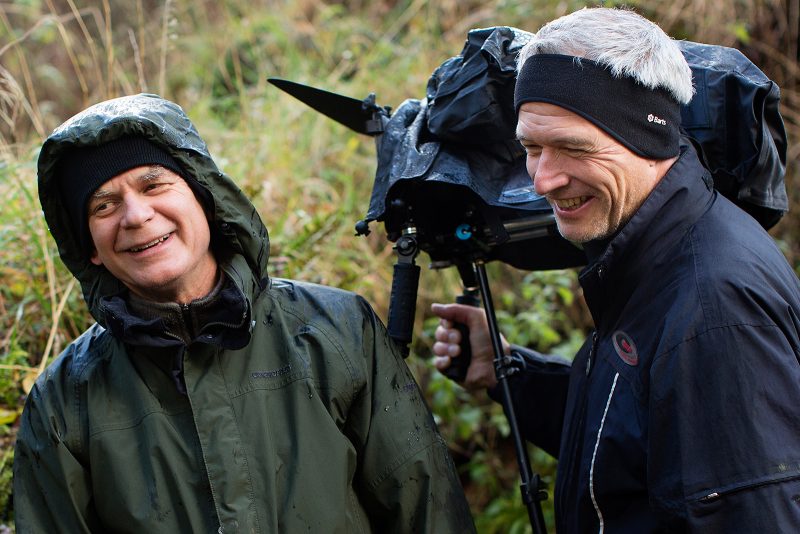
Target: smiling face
{"points": [[594, 183], [150, 231]]}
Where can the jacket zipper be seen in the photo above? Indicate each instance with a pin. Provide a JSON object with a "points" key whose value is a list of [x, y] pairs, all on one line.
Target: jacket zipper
{"points": [[581, 406], [594, 454], [716, 495]]}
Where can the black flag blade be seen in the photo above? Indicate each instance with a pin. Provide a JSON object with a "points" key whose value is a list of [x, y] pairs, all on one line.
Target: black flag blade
{"points": [[358, 115]]}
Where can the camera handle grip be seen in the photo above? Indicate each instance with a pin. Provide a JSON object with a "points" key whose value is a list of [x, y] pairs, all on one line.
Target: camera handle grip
{"points": [[458, 366]]}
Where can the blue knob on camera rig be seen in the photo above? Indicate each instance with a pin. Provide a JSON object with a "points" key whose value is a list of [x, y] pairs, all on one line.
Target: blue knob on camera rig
{"points": [[463, 231]]}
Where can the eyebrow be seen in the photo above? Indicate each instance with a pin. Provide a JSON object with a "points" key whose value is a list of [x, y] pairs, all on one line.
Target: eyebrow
{"points": [[521, 138], [565, 141]]}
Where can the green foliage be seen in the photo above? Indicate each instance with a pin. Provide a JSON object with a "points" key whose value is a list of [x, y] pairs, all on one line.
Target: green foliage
{"points": [[535, 309], [6, 479], [536, 313], [32, 286]]}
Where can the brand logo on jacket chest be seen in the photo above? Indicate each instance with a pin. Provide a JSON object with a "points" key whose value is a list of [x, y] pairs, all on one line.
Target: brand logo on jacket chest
{"points": [[625, 347]]}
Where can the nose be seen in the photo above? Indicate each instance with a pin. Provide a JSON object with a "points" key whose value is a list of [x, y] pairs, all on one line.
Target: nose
{"points": [[137, 211], [547, 172]]}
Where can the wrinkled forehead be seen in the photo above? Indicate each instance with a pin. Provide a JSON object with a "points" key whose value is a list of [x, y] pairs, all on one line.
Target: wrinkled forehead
{"points": [[542, 123], [138, 176]]}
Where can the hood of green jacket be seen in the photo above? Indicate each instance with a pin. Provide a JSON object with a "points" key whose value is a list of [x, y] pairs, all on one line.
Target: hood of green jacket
{"points": [[234, 222]]}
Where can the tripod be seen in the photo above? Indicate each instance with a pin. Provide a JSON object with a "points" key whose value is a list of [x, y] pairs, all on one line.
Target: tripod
{"points": [[400, 326], [531, 487]]}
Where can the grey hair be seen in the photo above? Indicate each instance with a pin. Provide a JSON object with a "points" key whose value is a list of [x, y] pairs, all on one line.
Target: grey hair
{"points": [[620, 39]]}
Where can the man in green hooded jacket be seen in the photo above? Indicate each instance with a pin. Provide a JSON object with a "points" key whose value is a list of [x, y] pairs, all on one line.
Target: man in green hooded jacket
{"points": [[209, 397]]}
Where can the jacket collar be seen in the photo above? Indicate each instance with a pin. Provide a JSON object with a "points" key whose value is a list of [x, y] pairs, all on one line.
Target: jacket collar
{"points": [[682, 196], [221, 318]]}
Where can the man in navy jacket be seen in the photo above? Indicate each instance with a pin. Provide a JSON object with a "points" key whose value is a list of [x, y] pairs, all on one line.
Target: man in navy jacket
{"points": [[681, 412]]}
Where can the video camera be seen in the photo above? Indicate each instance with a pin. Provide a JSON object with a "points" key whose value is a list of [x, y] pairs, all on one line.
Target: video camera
{"points": [[460, 196]]}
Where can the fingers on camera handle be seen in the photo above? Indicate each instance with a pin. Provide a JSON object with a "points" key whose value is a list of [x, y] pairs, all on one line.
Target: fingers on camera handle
{"points": [[458, 366]]}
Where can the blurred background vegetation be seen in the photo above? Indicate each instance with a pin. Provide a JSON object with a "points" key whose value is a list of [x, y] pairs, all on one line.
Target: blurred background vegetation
{"points": [[310, 178]]}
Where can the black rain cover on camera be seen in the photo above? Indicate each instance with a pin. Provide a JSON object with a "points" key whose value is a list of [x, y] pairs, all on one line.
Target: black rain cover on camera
{"points": [[463, 134], [457, 147], [463, 131], [735, 123]]}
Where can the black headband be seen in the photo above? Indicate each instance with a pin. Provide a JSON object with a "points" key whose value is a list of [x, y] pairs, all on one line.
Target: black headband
{"points": [[647, 121]]}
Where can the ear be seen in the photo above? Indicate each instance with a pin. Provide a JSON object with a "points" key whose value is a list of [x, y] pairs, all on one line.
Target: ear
{"points": [[95, 258]]}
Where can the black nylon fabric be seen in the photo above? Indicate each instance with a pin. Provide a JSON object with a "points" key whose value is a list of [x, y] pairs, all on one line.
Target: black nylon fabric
{"points": [[461, 125], [735, 123]]}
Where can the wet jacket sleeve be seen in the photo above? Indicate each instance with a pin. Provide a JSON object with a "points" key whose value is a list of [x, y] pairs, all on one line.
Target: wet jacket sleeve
{"points": [[539, 393], [407, 480], [52, 489], [724, 451]]}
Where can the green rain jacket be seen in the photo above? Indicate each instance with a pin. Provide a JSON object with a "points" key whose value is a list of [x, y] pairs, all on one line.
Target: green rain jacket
{"points": [[307, 421]]}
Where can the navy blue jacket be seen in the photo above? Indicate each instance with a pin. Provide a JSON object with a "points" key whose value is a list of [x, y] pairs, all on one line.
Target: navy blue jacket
{"points": [[681, 412]]}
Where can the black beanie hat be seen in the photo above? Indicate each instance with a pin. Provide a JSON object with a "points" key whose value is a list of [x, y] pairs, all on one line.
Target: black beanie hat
{"points": [[85, 169]]}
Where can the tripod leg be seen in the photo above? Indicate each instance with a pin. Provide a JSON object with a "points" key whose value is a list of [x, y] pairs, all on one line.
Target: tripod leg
{"points": [[531, 483]]}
